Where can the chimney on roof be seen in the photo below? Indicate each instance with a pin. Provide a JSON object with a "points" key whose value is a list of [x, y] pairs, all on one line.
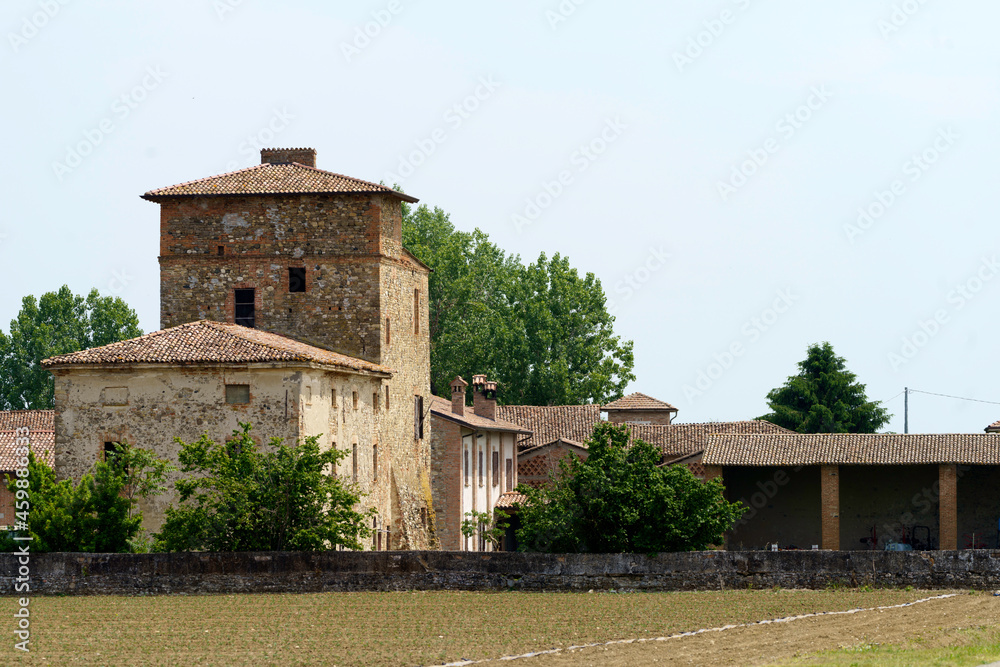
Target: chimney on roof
{"points": [[306, 156], [484, 400], [458, 386]]}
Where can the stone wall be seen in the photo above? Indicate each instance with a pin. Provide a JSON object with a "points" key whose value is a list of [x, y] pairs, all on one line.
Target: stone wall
{"points": [[140, 574]]}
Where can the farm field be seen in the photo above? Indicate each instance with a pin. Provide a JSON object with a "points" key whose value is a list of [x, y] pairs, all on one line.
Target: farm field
{"points": [[411, 628]]}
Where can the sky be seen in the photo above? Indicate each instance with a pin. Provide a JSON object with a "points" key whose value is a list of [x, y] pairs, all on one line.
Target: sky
{"points": [[745, 177]]}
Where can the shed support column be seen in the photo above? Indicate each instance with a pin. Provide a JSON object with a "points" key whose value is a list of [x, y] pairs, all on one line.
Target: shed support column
{"points": [[830, 506], [948, 506]]}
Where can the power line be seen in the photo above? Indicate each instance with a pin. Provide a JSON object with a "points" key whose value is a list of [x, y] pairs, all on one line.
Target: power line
{"points": [[960, 398], [893, 398]]}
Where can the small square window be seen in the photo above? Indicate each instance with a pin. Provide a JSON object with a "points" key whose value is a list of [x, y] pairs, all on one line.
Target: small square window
{"points": [[296, 279], [237, 394], [221, 250]]}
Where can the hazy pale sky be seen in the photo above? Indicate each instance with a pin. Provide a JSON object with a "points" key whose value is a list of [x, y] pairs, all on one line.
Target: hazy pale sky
{"points": [[746, 177]]}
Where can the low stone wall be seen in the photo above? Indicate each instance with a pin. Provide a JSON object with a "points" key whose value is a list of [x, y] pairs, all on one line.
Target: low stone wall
{"points": [[273, 572]]}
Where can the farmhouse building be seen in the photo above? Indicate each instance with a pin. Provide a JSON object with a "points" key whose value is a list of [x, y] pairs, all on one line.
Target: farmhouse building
{"points": [[314, 262], [860, 491], [474, 460]]}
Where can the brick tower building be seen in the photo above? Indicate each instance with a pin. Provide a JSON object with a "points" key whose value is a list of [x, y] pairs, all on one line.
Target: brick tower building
{"points": [[290, 249]]}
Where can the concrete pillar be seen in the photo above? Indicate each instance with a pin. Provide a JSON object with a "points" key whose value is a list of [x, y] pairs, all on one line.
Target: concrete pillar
{"points": [[948, 506], [829, 479]]}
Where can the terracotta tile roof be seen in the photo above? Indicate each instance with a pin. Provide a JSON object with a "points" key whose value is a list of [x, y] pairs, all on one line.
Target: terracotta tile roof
{"points": [[639, 401], [852, 448], [212, 342], [993, 428], [510, 499], [681, 439], [442, 408], [273, 179], [547, 423], [41, 425]]}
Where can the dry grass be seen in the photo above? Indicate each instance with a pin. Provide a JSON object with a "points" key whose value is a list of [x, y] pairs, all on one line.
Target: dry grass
{"points": [[383, 628]]}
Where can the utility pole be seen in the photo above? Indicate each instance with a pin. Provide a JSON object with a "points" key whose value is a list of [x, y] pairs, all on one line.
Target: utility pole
{"points": [[906, 409]]}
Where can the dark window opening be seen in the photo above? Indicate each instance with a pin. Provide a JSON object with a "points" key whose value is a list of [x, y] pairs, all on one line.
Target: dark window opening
{"points": [[354, 462], [496, 468], [466, 468], [418, 417], [510, 475], [375, 401], [296, 279], [480, 467], [416, 311], [375, 462], [222, 250], [388, 332], [244, 307], [112, 454], [237, 394], [387, 398]]}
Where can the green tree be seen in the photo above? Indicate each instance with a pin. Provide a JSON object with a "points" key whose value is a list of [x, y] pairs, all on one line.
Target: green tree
{"points": [[57, 323], [244, 499], [491, 527], [824, 397], [98, 514], [619, 499], [541, 331]]}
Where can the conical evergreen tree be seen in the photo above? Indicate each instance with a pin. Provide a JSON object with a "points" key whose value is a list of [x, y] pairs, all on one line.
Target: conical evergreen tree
{"points": [[824, 397]]}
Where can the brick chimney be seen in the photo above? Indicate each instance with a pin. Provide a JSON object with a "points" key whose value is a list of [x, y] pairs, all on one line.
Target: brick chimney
{"points": [[306, 156], [484, 400], [458, 386]]}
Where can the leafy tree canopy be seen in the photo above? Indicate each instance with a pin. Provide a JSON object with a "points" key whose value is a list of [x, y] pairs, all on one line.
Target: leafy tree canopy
{"points": [[57, 323], [541, 331], [243, 499], [620, 500], [824, 397], [98, 514]]}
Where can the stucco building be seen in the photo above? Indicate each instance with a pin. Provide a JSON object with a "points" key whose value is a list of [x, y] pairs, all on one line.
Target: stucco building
{"points": [[474, 460]]}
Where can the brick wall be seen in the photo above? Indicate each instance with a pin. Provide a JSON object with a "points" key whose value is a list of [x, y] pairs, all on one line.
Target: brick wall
{"points": [[447, 483], [948, 479], [650, 416]]}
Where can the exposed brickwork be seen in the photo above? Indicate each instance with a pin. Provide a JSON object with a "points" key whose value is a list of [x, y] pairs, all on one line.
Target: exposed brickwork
{"points": [[535, 466], [712, 472], [948, 508], [658, 417], [447, 476], [830, 506]]}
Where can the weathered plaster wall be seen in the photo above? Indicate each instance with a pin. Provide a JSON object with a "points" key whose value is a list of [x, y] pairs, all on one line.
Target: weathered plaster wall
{"points": [[162, 403], [141, 574]]}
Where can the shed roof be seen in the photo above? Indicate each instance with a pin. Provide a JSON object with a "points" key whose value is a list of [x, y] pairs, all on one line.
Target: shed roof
{"points": [[852, 449]]}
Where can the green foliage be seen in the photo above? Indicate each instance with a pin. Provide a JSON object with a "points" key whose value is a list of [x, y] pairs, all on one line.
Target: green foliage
{"points": [[620, 500], [542, 331], [245, 499], [492, 527], [57, 323], [99, 513], [824, 397]]}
